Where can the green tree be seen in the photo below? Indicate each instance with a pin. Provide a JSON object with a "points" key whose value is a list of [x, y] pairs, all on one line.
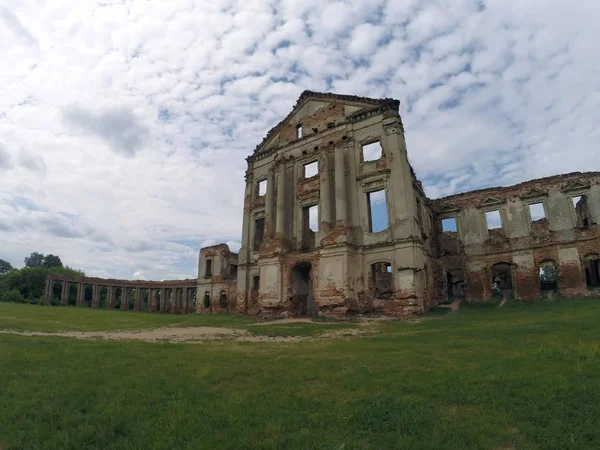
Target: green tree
{"points": [[51, 260], [31, 281], [34, 260], [12, 296], [5, 266]]}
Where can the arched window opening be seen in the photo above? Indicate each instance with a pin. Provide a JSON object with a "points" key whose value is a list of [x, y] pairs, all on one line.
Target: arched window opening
{"points": [[591, 263], [456, 284], [502, 286], [382, 279], [548, 276], [223, 300], [207, 299], [256, 283]]}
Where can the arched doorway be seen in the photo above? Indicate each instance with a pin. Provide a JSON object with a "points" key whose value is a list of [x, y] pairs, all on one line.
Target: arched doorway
{"points": [[502, 286], [303, 301]]}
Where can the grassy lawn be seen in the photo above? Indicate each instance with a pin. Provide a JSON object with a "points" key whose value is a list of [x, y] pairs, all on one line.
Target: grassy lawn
{"points": [[525, 376]]}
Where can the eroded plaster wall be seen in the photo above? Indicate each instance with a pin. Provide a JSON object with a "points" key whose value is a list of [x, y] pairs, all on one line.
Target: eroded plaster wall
{"points": [[524, 242]]}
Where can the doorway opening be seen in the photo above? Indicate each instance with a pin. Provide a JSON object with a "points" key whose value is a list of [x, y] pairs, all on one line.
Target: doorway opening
{"points": [[502, 286], [303, 301]]}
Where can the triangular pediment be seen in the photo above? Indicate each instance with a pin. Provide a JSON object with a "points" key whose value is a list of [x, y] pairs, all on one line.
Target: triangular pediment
{"points": [[576, 185], [310, 104], [534, 192], [449, 207], [491, 201]]}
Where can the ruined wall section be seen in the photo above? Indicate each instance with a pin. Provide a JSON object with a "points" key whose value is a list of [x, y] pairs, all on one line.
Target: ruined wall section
{"points": [[217, 280], [550, 219]]}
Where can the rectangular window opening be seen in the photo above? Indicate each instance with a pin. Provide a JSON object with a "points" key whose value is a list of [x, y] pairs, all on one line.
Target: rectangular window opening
{"points": [[378, 216], [449, 225], [208, 272], [298, 131], [311, 217], [582, 211], [372, 151], [259, 232], [262, 188], [311, 169], [493, 220], [233, 270], [536, 211]]}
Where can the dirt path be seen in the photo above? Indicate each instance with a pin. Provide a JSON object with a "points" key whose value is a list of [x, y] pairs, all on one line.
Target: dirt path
{"points": [[452, 306], [195, 334]]}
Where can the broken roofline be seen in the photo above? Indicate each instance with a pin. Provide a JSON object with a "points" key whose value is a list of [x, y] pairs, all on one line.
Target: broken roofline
{"points": [[383, 103], [507, 190]]}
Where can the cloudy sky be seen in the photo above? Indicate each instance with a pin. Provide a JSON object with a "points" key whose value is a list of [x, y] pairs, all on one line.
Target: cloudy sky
{"points": [[124, 123]]}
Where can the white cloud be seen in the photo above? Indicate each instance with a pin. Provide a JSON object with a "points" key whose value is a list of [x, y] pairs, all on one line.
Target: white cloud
{"points": [[124, 125]]}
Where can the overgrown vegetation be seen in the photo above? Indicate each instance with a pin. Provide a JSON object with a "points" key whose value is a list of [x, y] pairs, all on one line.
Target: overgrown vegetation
{"points": [[30, 281], [524, 376]]}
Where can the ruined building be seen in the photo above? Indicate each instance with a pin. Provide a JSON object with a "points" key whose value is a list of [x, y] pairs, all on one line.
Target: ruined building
{"points": [[335, 222]]}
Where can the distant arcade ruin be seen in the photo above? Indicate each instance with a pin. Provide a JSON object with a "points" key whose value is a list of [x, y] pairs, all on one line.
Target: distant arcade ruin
{"points": [[336, 223], [178, 296]]}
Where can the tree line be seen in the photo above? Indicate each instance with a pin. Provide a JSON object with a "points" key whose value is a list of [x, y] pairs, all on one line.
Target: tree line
{"points": [[28, 284]]}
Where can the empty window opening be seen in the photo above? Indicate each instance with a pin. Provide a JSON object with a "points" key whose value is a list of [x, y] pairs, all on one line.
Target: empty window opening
{"points": [[262, 188], [536, 211], [310, 225], [298, 131], [455, 284], [449, 225], [311, 169], [591, 264], [501, 281], [372, 151], [206, 299], [223, 300], [208, 271], [382, 279], [378, 216], [548, 276], [259, 232], [233, 270], [256, 283], [582, 211], [493, 220]]}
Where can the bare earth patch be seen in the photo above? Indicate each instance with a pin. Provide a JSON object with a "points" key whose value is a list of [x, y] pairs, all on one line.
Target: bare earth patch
{"points": [[170, 334], [190, 334]]}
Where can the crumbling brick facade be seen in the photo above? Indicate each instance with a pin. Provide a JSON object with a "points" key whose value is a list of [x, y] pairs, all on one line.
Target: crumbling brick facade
{"points": [[293, 263], [547, 239], [346, 263]]}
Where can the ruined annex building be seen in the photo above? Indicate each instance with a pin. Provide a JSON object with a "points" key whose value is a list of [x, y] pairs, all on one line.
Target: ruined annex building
{"points": [[335, 222]]}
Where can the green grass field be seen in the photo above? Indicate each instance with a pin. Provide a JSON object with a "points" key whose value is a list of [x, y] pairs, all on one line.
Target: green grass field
{"points": [[526, 376]]}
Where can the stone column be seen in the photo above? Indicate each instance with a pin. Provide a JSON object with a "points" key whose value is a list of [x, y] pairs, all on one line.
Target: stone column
{"points": [[163, 300], [325, 194], [341, 210], [269, 205], [280, 213], [48, 298], [95, 296], [109, 297], [185, 301], [64, 299], [151, 301], [124, 299], [80, 293], [138, 299]]}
